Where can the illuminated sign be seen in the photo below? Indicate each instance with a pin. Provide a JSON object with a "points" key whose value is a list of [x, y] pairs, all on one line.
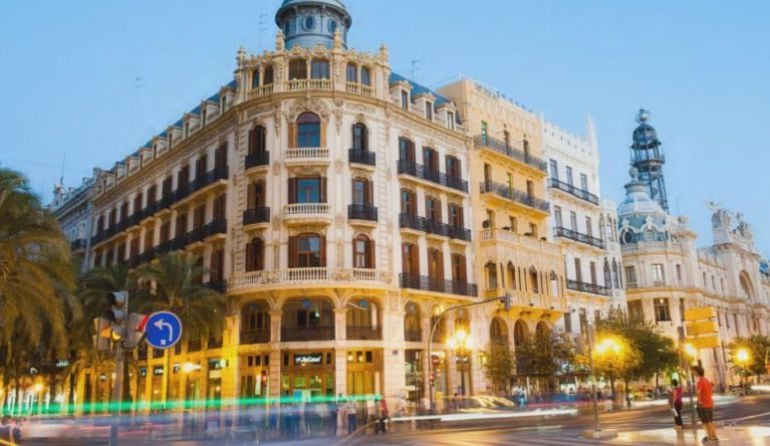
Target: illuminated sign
{"points": [[157, 370], [308, 359]]}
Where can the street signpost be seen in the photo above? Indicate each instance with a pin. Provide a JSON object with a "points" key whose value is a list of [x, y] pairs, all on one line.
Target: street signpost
{"points": [[702, 331], [163, 330]]}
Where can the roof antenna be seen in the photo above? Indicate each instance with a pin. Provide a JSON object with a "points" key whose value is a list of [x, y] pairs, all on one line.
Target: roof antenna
{"points": [[63, 162], [262, 28], [414, 66]]}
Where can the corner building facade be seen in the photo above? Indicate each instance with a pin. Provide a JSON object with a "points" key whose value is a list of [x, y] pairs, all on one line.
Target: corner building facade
{"points": [[328, 197]]}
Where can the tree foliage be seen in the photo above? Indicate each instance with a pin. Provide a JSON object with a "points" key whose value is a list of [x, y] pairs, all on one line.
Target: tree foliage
{"points": [[759, 350], [499, 366], [546, 354]]}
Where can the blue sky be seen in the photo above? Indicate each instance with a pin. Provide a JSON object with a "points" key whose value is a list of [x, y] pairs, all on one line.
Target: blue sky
{"points": [[69, 78]]}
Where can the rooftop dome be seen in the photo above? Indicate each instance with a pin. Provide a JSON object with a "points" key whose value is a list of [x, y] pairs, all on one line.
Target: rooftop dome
{"points": [[638, 201], [308, 23]]}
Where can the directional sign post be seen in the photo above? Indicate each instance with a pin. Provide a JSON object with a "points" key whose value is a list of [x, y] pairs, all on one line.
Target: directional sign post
{"points": [[163, 330]]}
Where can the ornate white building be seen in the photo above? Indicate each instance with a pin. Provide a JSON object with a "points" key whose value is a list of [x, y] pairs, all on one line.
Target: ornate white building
{"points": [[582, 223], [666, 273]]}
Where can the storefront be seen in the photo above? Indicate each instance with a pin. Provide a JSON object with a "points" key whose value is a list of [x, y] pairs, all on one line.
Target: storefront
{"points": [[307, 374], [364, 372], [254, 373]]}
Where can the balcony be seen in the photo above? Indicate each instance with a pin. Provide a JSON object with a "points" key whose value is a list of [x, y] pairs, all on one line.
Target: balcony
{"points": [[257, 159], [262, 90], [430, 226], [302, 213], [255, 337], [307, 155], [412, 335], [574, 191], [419, 171], [211, 177], [362, 89], [307, 276], [219, 285], [362, 212], [425, 283], [591, 288], [516, 196], [307, 334], [78, 245], [503, 148], [308, 84], [359, 333], [586, 239], [365, 157], [256, 216]]}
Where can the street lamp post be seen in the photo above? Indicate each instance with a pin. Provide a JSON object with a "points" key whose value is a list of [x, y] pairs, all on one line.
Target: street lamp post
{"points": [[692, 353], [742, 357], [460, 342], [589, 338]]}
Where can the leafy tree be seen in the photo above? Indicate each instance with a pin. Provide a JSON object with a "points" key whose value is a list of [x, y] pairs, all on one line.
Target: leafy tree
{"points": [[758, 347], [545, 354], [614, 357], [499, 366]]}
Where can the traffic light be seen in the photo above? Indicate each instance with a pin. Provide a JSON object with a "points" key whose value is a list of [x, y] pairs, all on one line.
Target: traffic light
{"points": [[507, 301], [117, 314], [263, 378]]}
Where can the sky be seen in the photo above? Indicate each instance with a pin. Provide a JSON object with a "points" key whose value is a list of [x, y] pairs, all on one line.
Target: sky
{"points": [[87, 82]]}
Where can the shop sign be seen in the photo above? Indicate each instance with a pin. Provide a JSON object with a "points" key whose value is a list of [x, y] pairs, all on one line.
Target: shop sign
{"points": [[308, 359]]}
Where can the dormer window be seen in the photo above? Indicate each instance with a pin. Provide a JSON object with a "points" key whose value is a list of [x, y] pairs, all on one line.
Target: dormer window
{"points": [[186, 129], [429, 110], [223, 103], [170, 139], [319, 69], [450, 120], [203, 117], [366, 76], [405, 99]]}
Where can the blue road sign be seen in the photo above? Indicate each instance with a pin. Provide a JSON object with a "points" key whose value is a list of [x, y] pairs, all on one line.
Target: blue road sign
{"points": [[163, 330]]}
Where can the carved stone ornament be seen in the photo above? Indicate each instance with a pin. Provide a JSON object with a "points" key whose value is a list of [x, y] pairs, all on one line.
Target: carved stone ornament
{"points": [[276, 168], [338, 119], [308, 103], [276, 223], [339, 220], [339, 166]]}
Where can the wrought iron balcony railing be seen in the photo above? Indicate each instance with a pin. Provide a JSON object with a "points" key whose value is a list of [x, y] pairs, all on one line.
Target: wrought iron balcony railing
{"points": [[363, 333], [560, 231], [256, 215], [307, 334], [425, 283], [502, 190], [434, 176], [255, 337], [431, 226], [362, 212], [588, 287], [257, 159], [505, 149], [575, 191], [362, 157]]}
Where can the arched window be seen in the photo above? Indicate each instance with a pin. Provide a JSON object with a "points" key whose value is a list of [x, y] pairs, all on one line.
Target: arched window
{"points": [[352, 73], [308, 130], [255, 255], [319, 69], [360, 137], [267, 77], [257, 140], [255, 323], [554, 278], [607, 274], [363, 252], [412, 324], [362, 320], [511, 273], [255, 79], [498, 332], [307, 251], [365, 76], [615, 275], [520, 333], [297, 69], [310, 319], [534, 281], [543, 330]]}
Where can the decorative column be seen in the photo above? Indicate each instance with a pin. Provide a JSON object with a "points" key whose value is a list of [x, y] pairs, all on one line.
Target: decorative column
{"points": [[340, 351], [274, 373]]}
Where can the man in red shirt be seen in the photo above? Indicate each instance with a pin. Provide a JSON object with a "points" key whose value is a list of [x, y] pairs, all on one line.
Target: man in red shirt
{"points": [[705, 405]]}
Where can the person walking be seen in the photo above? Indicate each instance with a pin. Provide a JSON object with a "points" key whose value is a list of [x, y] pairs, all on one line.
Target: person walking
{"points": [[5, 430], [705, 405], [675, 402]]}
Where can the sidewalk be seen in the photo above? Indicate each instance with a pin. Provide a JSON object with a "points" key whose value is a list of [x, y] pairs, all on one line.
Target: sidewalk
{"points": [[731, 435]]}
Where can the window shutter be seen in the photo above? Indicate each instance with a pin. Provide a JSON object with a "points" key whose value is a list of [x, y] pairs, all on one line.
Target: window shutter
{"points": [[404, 259], [439, 264], [323, 133], [370, 254], [292, 135], [323, 190], [251, 195], [369, 196], [253, 141], [293, 248], [461, 217], [292, 190], [323, 251]]}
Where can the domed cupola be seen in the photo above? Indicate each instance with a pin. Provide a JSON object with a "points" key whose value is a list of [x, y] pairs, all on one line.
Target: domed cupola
{"points": [[640, 217], [308, 23], [648, 159]]}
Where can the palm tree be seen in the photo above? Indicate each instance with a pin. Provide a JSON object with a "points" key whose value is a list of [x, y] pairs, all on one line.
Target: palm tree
{"points": [[176, 286], [36, 277]]}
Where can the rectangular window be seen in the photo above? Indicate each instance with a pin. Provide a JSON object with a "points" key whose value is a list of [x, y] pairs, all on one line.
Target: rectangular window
{"points": [[297, 69], [319, 69], [429, 110], [630, 276], [513, 223], [662, 311], [569, 176], [557, 216], [484, 132], [589, 229], [405, 99], [554, 169], [533, 230], [578, 270], [657, 273], [567, 322], [573, 220], [584, 182], [593, 273], [308, 190], [635, 310], [679, 272], [450, 120], [352, 73]]}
